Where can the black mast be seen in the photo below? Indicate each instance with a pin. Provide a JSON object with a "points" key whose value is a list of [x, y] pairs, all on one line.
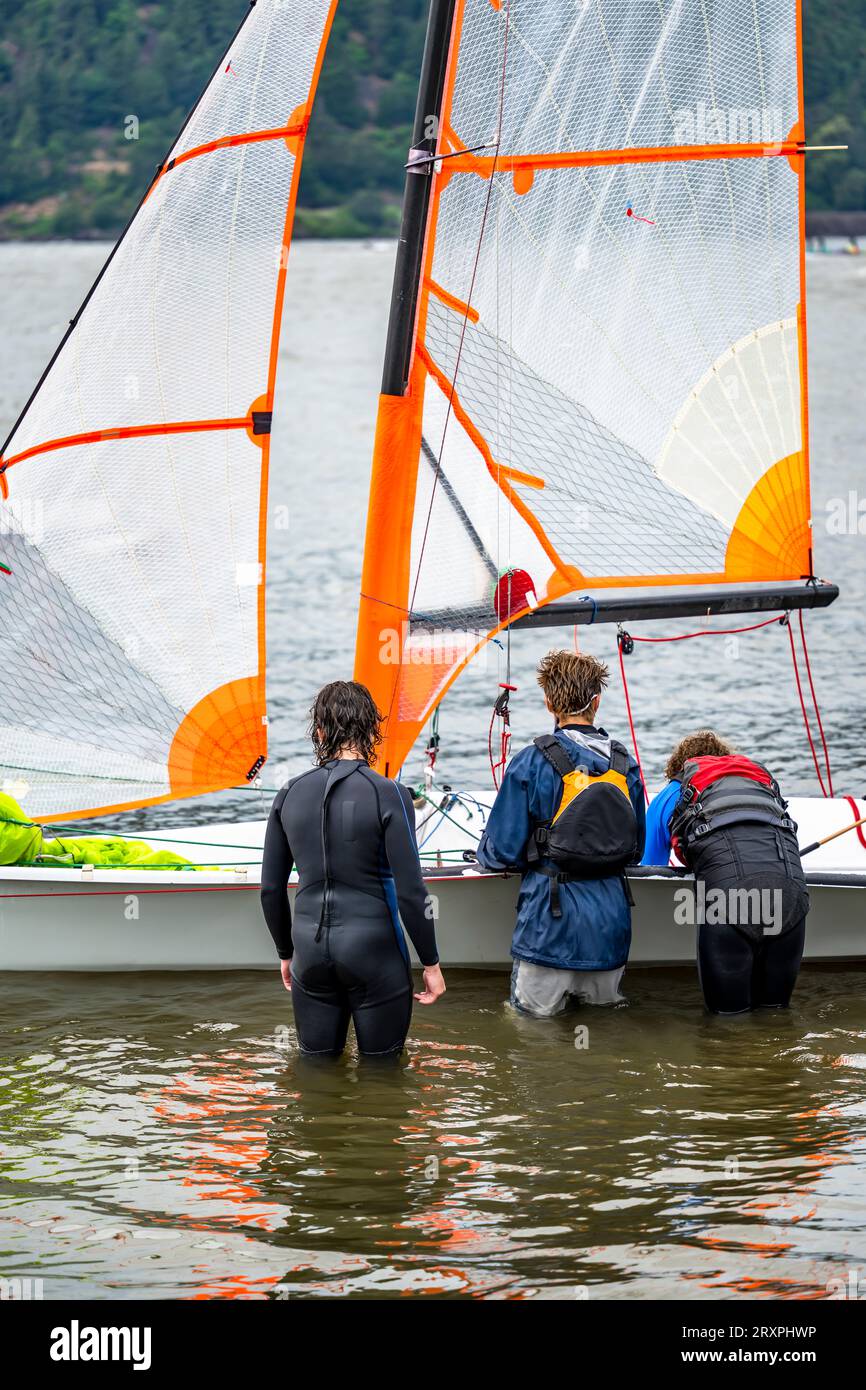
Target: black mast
{"points": [[416, 199]]}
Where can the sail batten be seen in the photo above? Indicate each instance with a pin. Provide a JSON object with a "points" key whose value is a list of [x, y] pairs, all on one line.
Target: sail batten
{"points": [[608, 342], [134, 483]]}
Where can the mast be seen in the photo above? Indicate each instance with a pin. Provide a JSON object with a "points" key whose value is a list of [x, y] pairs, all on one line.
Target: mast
{"points": [[384, 606], [416, 199]]}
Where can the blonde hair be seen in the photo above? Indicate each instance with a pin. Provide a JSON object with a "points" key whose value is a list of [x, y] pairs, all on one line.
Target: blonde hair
{"points": [[703, 744], [571, 681]]}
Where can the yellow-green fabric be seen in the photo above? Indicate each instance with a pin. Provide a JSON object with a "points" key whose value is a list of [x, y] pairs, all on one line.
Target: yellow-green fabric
{"points": [[22, 842]]}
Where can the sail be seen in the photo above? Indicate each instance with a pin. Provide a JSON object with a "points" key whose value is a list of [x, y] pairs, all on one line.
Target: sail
{"points": [[134, 485], [606, 382]]}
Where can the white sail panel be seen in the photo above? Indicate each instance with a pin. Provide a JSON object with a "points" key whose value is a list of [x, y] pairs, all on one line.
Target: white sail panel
{"points": [[132, 649], [179, 328], [603, 74]]}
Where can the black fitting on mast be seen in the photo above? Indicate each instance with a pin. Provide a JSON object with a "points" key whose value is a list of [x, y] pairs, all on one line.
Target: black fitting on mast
{"points": [[416, 200]]}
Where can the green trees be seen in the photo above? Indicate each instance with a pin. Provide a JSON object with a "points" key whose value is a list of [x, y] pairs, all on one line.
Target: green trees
{"points": [[72, 73]]}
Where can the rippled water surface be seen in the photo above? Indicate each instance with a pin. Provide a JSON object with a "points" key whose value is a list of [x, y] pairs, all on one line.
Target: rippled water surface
{"points": [[158, 1135], [161, 1138]]}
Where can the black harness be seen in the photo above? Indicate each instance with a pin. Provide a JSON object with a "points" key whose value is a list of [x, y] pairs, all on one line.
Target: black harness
{"points": [[730, 800], [541, 853]]}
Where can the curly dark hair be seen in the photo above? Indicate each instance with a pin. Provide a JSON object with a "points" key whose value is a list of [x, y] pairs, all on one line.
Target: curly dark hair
{"points": [[344, 715], [703, 744]]}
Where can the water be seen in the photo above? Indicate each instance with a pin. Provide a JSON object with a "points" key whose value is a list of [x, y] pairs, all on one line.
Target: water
{"points": [[159, 1136], [160, 1141]]}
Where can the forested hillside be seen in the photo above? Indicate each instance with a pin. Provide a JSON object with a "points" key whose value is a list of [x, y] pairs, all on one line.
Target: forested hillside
{"points": [[73, 71]]}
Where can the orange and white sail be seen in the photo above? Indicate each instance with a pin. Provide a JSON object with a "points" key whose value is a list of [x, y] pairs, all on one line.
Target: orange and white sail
{"points": [[607, 381], [134, 485]]}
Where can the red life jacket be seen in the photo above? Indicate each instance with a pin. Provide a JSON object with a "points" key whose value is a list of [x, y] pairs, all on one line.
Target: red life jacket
{"points": [[718, 792]]}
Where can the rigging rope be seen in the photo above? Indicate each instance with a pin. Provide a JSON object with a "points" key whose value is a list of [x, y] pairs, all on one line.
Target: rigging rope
{"points": [[815, 702], [710, 632], [622, 639], [856, 809], [812, 750], [500, 711], [625, 646], [501, 708]]}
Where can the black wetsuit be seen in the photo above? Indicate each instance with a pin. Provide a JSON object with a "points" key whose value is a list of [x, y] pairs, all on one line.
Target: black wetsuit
{"points": [[351, 835], [744, 965]]}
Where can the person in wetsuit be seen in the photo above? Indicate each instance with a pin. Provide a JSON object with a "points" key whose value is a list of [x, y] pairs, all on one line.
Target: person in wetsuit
{"points": [[724, 818], [350, 833]]}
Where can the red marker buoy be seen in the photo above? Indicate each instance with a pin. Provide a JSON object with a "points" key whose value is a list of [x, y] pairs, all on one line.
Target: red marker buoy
{"points": [[511, 594]]}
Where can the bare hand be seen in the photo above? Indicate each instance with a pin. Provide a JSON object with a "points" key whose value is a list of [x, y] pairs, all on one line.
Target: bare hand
{"points": [[286, 972], [434, 985]]}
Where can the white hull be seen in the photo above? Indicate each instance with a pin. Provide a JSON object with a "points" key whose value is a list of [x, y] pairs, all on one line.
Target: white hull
{"points": [[122, 920]]}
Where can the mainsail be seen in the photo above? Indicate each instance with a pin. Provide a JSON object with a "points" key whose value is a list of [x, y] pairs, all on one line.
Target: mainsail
{"points": [[596, 368], [134, 484]]}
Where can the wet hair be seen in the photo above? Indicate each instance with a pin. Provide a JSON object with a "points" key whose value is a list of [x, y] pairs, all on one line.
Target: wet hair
{"points": [[344, 715], [703, 744], [571, 681]]}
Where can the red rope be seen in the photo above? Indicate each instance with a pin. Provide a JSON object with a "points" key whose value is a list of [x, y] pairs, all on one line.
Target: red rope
{"points": [[137, 892], [503, 749], [732, 631], [803, 708], [856, 809], [493, 765], [501, 711], [709, 632], [630, 719], [815, 703]]}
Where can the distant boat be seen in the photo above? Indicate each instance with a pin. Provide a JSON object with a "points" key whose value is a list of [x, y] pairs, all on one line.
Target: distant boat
{"points": [[593, 410]]}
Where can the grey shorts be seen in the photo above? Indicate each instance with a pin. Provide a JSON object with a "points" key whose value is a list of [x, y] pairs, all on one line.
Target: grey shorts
{"points": [[545, 992]]}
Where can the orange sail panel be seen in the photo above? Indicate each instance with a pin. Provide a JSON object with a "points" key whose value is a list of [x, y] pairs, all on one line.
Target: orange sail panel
{"points": [[134, 485], [607, 379]]}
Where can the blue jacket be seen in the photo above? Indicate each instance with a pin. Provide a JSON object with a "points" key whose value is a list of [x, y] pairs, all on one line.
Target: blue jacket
{"points": [[658, 824], [594, 931]]}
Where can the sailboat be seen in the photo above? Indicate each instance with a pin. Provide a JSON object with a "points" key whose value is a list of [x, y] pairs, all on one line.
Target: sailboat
{"points": [[593, 409]]}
